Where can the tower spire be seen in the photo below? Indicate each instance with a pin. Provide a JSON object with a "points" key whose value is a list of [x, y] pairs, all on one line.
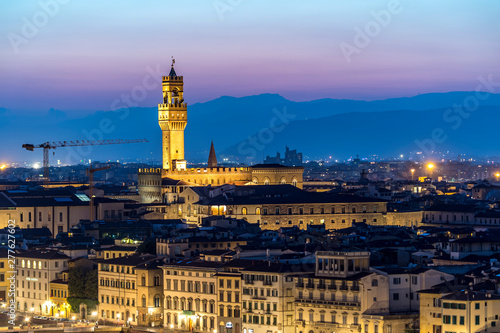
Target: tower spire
{"points": [[212, 159], [172, 71]]}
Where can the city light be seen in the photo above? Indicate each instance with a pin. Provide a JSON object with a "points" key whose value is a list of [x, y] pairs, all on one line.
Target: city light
{"points": [[94, 313], [73, 318], [3, 166], [430, 166], [36, 165], [27, 319]]}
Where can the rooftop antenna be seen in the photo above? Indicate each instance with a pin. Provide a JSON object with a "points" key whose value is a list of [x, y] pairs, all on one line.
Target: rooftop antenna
{"points": [[173, 61]]}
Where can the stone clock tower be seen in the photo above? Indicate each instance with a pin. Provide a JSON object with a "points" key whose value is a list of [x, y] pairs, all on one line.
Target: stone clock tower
{"points": [[172, 117]]}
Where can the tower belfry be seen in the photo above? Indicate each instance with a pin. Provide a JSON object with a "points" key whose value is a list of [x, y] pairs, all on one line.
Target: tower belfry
{"points": [[172, 117]]}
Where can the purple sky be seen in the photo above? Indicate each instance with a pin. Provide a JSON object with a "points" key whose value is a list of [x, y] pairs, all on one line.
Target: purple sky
{"points": [[89, 53]]}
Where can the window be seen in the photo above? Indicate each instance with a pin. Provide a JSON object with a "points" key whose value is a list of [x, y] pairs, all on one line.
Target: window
{"points": [[462, 320], [477, 306], [414, 280], [396, 280], [244, 211], [375, 283], [395, 296], [477, 320], [60, 217]]}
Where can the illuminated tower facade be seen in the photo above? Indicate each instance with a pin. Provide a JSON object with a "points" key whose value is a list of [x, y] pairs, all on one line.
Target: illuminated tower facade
{"points": [[172, 117]]}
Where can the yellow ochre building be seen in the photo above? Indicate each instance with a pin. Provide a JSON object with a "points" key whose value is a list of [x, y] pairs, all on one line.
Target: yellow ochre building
{"points": [[172, 117]]}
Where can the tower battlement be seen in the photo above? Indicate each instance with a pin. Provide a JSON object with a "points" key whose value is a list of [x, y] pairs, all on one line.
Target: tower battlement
{"points": [[172, 78], [172, 106]]}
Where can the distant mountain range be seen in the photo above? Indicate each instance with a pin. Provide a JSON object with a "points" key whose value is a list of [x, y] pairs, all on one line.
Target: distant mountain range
{"points": [[249, 128]]}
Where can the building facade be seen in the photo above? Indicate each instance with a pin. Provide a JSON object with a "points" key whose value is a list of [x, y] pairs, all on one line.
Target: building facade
{"points": [[35, 271]]}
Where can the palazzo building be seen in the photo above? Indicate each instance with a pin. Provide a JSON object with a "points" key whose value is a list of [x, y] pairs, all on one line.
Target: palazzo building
{"points": [[156, 183]]}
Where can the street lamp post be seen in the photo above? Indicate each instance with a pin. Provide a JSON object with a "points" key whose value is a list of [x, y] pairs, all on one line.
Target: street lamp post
{"points": [[412, 173], [430, 166]]}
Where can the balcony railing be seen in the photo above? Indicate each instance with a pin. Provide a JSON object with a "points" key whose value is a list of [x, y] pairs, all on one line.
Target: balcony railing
{"points": [[338, 303], [267, 283]]}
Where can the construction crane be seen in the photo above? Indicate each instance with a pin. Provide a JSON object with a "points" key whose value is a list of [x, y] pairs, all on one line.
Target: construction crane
{"points": [[90, 173], [58, 144]]}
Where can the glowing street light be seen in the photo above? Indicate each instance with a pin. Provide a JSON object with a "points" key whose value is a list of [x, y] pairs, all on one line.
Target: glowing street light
{"points": [[412, 173], [430, 166], [27, 319]]}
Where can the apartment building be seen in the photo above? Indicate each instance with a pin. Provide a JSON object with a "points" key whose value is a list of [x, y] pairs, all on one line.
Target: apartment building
{"points": [[450, 308], [119, 281], [404, 285], [338, 294], [190, 290], [35, 271], [268, 298]]}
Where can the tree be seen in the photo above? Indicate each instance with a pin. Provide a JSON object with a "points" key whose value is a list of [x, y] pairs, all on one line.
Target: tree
{"points": [[76, 283], [91, 285], [149, 246]]}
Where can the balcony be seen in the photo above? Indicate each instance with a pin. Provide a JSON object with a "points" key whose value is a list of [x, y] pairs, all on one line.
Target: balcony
{"points": [[355, 305], [248, 281], [258, 297], [267, 283], [332, 287]]}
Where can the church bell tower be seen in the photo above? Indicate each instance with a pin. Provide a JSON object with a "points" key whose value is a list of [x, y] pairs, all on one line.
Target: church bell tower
{"points": [[172, 117]]}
